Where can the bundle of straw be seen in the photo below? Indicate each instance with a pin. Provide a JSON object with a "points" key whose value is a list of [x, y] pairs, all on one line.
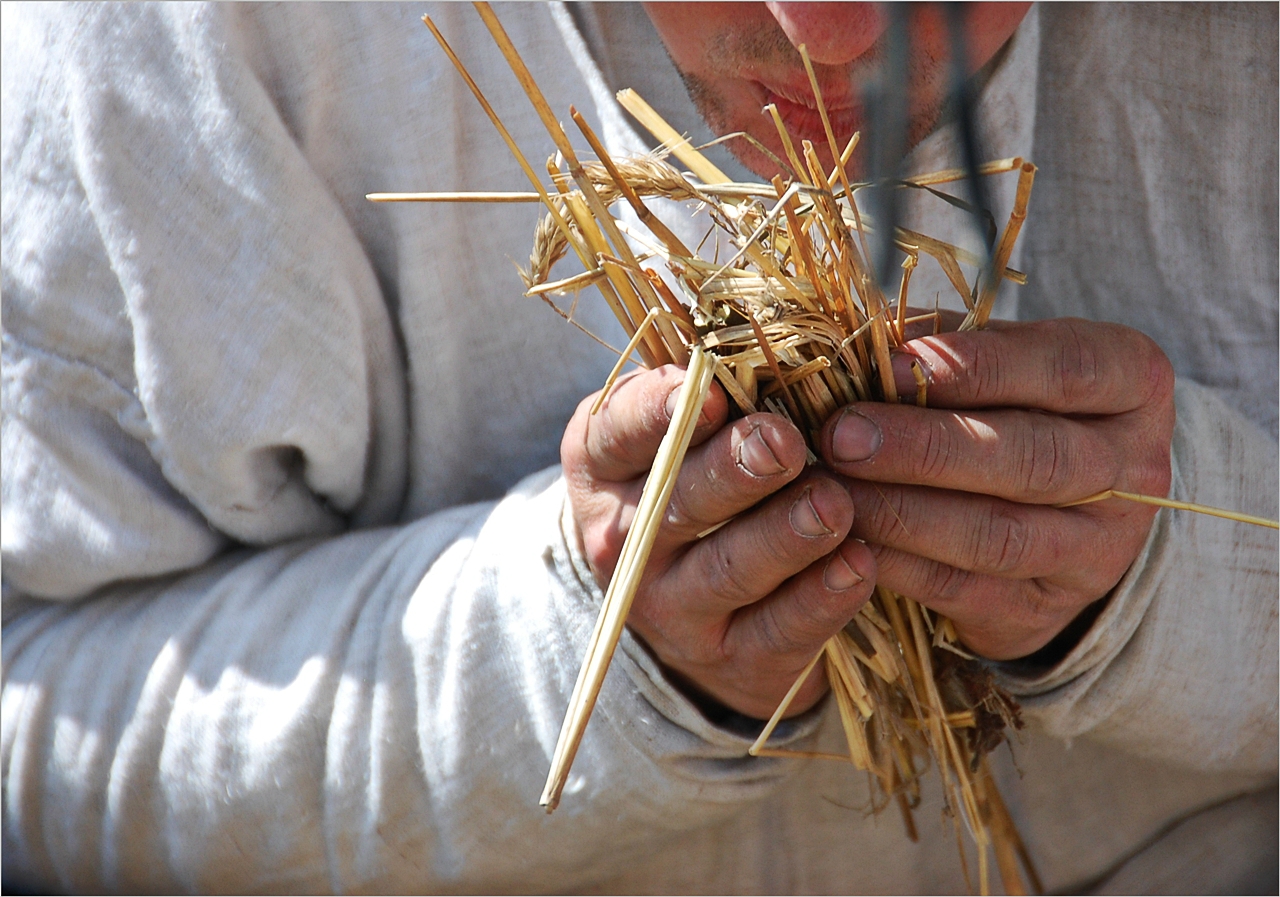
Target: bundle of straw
{"points": [[795, 323]]}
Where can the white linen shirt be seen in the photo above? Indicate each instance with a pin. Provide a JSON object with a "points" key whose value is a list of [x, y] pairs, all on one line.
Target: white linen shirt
{"points": [[289, 601]]}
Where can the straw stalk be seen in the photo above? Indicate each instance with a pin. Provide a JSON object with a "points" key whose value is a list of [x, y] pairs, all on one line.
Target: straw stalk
{"points": [[795, 323]]}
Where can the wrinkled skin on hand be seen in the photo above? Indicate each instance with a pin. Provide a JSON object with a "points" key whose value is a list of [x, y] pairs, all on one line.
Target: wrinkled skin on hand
{"points": [[954, 503], [738, 614], [957, 499]]}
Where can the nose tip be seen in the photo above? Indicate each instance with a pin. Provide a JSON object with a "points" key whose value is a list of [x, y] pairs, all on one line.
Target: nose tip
{"points": [[833, 33]]}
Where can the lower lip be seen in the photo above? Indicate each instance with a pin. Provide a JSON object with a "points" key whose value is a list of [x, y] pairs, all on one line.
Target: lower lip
{"points": [[805, 123]]}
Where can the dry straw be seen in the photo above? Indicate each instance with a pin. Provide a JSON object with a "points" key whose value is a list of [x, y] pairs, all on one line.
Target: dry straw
{"points": [[795, 323]]}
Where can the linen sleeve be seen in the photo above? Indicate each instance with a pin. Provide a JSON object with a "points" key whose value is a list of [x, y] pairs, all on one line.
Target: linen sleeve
{"points": [[1181, 664], [371, 712], [196, 352], [223, 670]]}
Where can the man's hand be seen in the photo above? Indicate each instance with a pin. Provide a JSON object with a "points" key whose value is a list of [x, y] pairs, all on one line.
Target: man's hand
{"points": [[957, 499], [737, 614]]}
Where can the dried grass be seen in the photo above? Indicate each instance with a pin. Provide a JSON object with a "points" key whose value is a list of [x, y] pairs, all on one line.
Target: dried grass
{"points": [[795, 323]]}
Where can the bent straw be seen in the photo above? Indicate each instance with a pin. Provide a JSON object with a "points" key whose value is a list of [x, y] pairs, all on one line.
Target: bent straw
{"points": [[981, 311], [1173, 503]]}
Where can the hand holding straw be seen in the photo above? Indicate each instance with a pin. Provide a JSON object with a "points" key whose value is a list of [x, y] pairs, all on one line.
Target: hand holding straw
{"points": [[796, 322]]}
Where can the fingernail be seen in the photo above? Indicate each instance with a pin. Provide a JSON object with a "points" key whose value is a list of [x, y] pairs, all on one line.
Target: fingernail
{"points": [[673, 397], [904, 378], [804, 517], [839, 576], [756, 456], [856, 438]]}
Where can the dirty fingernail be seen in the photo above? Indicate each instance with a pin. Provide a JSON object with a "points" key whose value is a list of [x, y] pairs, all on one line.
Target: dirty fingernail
{"points": [[905, 369], [757, 457], [856, 438], [804, 517], [838, 575]]}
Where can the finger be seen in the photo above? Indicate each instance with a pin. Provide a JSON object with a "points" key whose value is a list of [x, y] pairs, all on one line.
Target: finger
{"points": [[753, 555], [737, 468], [1068, 366], [992, 537], [1019, 455], [619, 441], [751, 659], [928, 322], [798, 618], [1001, 619]]}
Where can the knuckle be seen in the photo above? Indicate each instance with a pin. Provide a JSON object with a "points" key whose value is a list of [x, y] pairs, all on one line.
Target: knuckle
{"points": [[633, 414], [1042, 464], [1156, 476], [1156, 372], [947, 583], [1036, 607], [681, 513], [669, 635], [725, 579], [986, 365], [1075, 367], [934, 456], [651, 621], [775, 638], [605, 450], [1028, 616], [973, 365], [880, 511], [1007, 544], [1149, 477], [602, 546], [1150, 465]]}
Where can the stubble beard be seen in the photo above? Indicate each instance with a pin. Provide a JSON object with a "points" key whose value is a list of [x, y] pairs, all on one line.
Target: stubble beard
{"points": [[725, 54]]}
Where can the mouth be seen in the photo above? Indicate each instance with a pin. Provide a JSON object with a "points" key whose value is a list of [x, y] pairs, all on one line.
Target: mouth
{"points": [[799, 112]]}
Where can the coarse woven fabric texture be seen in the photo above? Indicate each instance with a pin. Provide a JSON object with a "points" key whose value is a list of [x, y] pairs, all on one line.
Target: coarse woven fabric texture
{"points": [[289, 605]]}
